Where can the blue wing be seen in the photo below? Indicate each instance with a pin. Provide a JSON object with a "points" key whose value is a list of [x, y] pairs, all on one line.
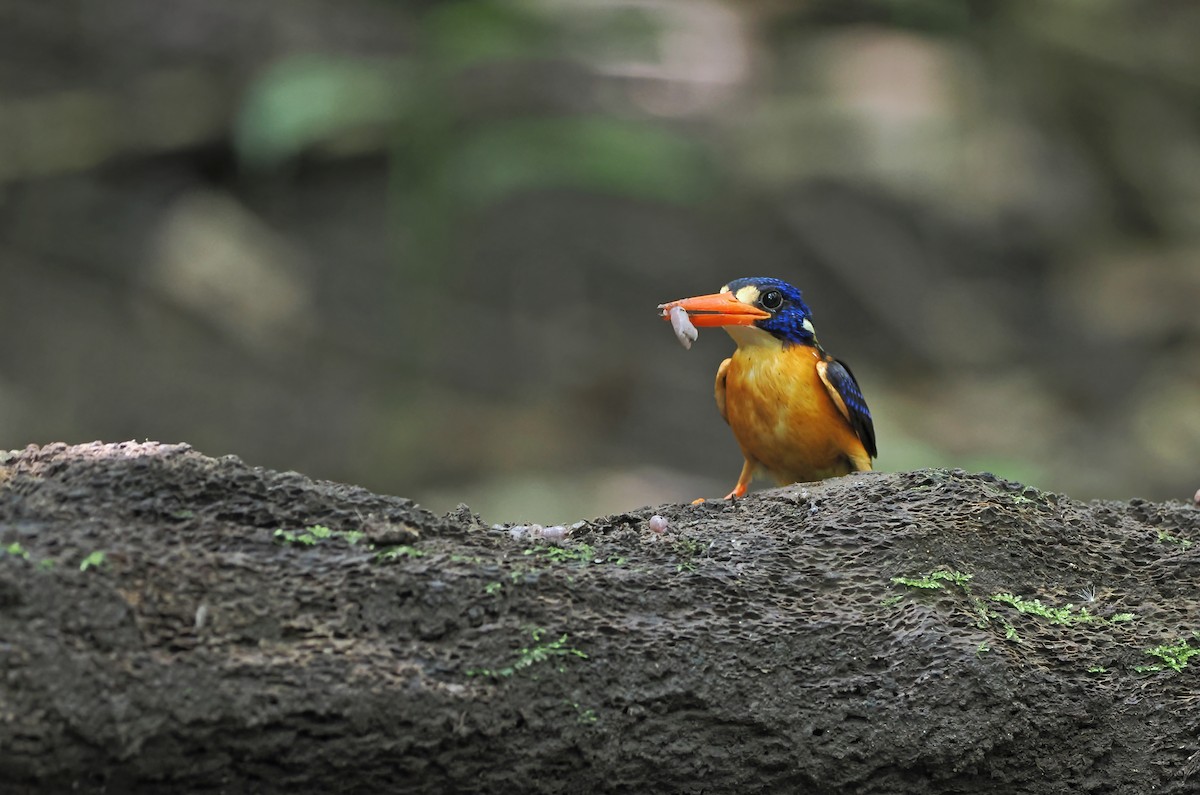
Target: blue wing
{"points": [[845, 392]]}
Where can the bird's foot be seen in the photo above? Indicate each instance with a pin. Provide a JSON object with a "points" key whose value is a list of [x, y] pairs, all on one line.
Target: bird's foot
{"points": [[738, 492]]}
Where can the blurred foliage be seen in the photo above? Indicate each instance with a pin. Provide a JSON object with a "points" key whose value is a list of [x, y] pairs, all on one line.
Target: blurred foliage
{"points": [[450, 159], [308, 101], [592, 154], [458, 36]]}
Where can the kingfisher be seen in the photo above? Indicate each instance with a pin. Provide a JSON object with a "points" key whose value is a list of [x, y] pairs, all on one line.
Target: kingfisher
{"points": [[797, 413]]}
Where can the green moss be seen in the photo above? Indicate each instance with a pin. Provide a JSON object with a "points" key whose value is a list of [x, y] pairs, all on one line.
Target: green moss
{"points": [[315, 534], [1066, 616], [584, 715], [1165, 537], [689, 549], [539, 652], [94, 560], [395, 553], [580, 554], [987, 617], [934, 579], [1172, 657]]}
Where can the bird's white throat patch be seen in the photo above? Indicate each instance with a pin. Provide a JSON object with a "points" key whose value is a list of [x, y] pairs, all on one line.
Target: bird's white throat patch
{"points": [[748, 336]]}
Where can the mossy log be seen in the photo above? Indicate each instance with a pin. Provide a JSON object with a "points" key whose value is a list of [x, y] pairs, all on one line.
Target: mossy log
{"points": [[173, 622]]}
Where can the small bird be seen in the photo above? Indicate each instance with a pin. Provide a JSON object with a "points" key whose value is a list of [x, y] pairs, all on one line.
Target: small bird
{"points": [[796, 412]]}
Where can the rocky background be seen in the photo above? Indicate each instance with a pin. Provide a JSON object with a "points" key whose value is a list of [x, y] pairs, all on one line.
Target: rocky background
{"points": [[417, 246]]}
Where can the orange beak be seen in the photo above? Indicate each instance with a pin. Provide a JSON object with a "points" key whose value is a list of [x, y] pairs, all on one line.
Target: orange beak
{"points": [[718, 309]]}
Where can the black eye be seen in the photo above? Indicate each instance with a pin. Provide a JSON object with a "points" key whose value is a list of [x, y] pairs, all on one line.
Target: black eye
{"points": [[771, 299]]}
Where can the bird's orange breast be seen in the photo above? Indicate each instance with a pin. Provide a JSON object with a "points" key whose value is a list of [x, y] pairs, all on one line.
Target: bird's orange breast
{"points": [[784, 417]]}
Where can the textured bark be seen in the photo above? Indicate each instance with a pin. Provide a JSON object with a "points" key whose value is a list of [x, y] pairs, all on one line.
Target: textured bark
{"points": [[757, 645]]}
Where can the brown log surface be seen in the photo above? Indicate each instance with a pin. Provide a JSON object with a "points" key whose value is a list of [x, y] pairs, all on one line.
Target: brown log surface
{"points": [[753, 646]]}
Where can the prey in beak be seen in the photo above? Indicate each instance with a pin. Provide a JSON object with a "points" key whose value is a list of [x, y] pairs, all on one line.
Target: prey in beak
{"points": [[718, 309]]}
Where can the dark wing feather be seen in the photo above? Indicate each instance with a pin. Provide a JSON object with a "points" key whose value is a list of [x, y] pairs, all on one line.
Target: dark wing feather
{"points": [[844, 389]]}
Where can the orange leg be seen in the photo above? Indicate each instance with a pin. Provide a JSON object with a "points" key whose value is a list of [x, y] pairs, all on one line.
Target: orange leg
{"points": [[743, 483]]}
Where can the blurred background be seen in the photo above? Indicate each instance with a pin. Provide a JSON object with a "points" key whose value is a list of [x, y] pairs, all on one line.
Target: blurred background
{"points": [[418, 246]]}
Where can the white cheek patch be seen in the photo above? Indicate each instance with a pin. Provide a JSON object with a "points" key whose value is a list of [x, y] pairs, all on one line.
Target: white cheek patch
{"points": [[747, 295]]}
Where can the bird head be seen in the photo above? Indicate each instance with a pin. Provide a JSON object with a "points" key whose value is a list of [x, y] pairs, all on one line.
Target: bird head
{"points": [[748, 308]]}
